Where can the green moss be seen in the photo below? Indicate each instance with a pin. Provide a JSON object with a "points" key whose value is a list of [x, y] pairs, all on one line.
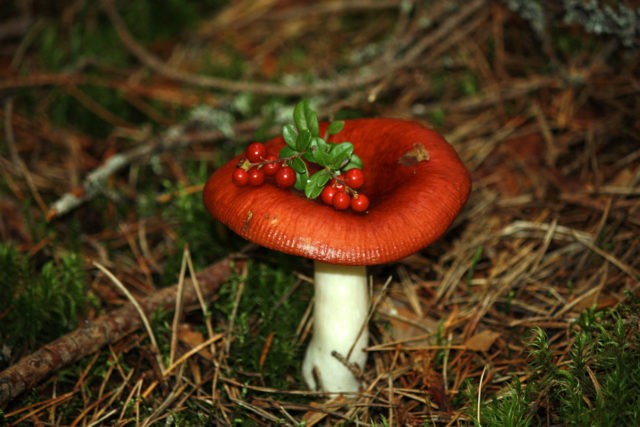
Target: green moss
{"points": [[38, 306], [607, 347], [510, 409], [267, 307], [599, 384]]}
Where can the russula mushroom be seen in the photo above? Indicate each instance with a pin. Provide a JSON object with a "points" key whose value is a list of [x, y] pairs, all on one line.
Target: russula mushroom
{"points": [[416, 184]]}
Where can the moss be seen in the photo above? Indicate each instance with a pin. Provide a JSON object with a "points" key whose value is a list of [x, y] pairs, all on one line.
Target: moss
{"points": [[38, 305], [510, 409], [267, 308], [600, 384]]}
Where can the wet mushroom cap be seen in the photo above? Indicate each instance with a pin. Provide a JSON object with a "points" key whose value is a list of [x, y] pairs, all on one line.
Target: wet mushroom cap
{"points": [[414, 179]]}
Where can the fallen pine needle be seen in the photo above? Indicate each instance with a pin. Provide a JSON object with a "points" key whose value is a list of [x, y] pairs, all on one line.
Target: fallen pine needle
{"points": [[143, 316], [191, 352]]}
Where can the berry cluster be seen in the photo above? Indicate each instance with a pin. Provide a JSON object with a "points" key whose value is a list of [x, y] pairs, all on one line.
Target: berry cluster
{"points": [[331, 171], [340, 191], [256, 165]]}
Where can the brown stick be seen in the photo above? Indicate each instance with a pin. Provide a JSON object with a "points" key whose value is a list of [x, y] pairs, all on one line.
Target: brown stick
{"points": [[107, 329]]}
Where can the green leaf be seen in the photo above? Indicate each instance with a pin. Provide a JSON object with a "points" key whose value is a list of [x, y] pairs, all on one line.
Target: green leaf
{"points": [[299, 165], [354, 163], [340, 153], [310, 156], [303, 141], [299, 114], [312, 120], [317, 145], [315, 184], [322, 157], [287, 151], [301, 180], [335, 127], [289, 134]]}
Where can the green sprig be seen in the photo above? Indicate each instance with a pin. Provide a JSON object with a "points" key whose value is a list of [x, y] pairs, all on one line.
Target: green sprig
{"points": [[304, 142]]}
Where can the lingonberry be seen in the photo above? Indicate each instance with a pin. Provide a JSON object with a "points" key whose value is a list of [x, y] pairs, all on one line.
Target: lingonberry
{"points": [[240, 177], [328, 194], [285, 177], [341, 200], [354, 178], [256, 177], [271, 166], [360, 203], [255, 152]]}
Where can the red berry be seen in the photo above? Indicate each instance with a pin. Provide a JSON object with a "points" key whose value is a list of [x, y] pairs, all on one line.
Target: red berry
{"points": [[256, 177], [354, 178], [328, 194], [360, 203], [255, 152], [240, 177], [285, 177], [341, 200], [272, 166]]}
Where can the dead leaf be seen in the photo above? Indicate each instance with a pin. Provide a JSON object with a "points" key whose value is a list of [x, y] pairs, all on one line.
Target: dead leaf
{"points": [[192, 338], [482, 341], [414, 156]]}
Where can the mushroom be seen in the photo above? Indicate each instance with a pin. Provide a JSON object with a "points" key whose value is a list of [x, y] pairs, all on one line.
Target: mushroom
{"points": [[416, 184]]}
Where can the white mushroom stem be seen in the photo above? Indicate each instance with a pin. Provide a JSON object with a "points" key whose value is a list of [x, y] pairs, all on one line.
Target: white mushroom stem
{"points": [[341, 306]]}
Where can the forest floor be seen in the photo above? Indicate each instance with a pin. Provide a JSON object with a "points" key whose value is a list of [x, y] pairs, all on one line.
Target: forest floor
{"points": [[526, 312]]}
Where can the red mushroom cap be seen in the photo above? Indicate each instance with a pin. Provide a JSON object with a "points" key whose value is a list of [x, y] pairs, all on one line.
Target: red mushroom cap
{"points": [[414, 179]]}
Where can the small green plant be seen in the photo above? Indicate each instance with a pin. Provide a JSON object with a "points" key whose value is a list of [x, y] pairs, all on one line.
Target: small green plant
{"points": [[512, 408], [540, 351], [37, 307]]}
